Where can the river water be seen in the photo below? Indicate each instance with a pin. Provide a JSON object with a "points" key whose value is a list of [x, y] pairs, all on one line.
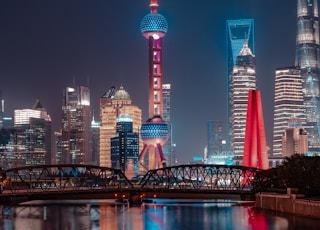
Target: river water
{"points": [[156, 214]]}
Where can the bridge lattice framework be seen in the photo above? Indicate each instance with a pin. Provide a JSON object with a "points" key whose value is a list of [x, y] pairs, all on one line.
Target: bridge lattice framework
{"points": [[76, 178], [221, 178], [62, 177]]}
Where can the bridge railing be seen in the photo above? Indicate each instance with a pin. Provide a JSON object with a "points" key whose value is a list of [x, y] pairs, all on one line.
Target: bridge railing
{"points": [[67, 177], [74, 178], [201, 177]]}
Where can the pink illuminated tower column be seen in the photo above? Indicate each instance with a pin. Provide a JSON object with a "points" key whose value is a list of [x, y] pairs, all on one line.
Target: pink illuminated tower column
{"points": [[255, 147], [154, 132]]}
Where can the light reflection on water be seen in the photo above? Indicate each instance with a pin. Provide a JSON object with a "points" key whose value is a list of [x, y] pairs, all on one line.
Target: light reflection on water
{"points": [[156, 214]]}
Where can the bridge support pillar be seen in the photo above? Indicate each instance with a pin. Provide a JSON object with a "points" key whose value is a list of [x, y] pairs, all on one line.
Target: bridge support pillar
{"points": [[135, 198]]}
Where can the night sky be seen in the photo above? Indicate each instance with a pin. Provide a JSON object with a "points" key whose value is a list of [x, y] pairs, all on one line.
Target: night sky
{"points": [[45, 45]]}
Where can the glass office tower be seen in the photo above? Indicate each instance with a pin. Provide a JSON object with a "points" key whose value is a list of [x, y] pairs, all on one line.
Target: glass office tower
{"points": [[32, 142], [125, 147], [166, 109], [76, 126], [243, 79], [95, 141], [237, 32], [288, 103], [307, 57]]}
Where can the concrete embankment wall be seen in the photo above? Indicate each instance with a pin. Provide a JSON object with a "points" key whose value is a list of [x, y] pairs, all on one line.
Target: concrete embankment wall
{"points": [[288, 203]]}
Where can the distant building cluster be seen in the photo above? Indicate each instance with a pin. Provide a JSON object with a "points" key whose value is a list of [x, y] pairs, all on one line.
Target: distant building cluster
{"points": [[114, 141], [296, 92], [120, 139]]}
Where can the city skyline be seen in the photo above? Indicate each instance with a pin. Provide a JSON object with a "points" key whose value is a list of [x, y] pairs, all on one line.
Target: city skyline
{"points": [[48, 46]]}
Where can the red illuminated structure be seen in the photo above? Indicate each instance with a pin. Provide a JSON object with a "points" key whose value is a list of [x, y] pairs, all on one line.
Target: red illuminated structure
{"points": [[154, 27], [255, 148]]}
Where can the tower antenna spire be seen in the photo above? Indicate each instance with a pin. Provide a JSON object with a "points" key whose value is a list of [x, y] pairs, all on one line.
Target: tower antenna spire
{"points": [[154, 6]]}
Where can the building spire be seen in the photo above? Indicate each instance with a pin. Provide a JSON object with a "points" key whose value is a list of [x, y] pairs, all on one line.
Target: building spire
{"points": [[245, 49], [154, 6]]}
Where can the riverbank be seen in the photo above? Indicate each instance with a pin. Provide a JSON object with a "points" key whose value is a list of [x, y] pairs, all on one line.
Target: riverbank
{"points": [[290, 203]]}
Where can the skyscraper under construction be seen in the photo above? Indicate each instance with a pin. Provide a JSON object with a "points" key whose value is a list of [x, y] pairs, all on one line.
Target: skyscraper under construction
{"points": [[307, 57]]}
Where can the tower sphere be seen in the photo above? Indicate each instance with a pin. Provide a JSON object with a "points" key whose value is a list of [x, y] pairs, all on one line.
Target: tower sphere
{"points": [[154, 131], [154, 25]]}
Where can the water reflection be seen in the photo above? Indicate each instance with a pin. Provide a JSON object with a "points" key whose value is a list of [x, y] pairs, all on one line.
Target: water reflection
{"points": [[156, 215]]}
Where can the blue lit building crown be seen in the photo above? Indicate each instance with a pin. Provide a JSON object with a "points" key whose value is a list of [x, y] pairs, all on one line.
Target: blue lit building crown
{"points": [[154, 23], [154, 131]]}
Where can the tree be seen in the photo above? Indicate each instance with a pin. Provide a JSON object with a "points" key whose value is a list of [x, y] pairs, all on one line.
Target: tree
{"points": [[298, 171]]}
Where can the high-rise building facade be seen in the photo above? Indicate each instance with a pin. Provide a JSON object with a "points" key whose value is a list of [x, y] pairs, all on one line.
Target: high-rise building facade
{"points": [[243, 79], [166, 97], [95, 141], [1, 109], [32, 143], [288, 102], [125, 147], [9, 157], [154, 27], [214, 137], [307, 57], [112, 104], [237, 33], [76, 126], [294, 138], [58, 147]]}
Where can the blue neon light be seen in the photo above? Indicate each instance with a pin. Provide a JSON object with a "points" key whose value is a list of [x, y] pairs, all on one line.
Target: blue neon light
{"points": [[154, 23]]}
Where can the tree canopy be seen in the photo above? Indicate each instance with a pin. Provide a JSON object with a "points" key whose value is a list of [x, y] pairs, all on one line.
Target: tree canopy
{"points": [[298, 171]]}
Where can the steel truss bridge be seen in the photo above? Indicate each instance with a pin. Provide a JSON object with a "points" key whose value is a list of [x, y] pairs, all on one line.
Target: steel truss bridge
{"points": [[75, 181]]}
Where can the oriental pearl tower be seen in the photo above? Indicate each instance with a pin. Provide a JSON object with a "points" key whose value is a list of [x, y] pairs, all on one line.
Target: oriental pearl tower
{"points": [[154, 132]]}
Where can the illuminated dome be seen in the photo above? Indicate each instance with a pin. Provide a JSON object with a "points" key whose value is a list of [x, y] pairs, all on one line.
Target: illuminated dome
{"points": [[154, 25], [154, 131], [121, 94]]}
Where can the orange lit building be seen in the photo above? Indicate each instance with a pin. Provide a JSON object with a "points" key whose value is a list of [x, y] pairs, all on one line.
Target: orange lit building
{"points": [[112, 104]]}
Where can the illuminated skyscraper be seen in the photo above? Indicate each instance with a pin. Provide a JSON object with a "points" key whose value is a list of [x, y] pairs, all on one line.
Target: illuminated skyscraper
{"points": [[237, 33], [167, 148], [112, 104], [288, 102], [95, 141], [243, 79], [153, 27], [58, 147], [33, 136], [125, 147], [76, 126], [307, 57], [255, 147]]}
